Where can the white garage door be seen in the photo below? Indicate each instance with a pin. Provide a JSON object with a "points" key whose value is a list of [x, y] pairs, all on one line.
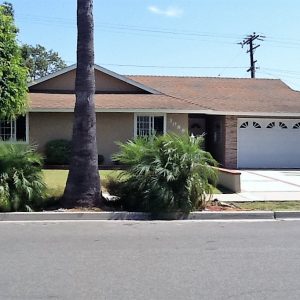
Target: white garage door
{"points": [[268, 143]]}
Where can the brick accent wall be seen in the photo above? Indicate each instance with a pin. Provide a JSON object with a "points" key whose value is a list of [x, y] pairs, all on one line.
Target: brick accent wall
{"points": [[230, 157]]}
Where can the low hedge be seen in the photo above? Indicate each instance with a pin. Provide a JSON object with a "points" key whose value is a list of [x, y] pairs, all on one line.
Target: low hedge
{"points": [[58, 152]]}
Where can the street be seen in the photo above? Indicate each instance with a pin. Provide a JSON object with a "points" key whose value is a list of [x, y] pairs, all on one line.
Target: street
{"points": [[150, 260]]}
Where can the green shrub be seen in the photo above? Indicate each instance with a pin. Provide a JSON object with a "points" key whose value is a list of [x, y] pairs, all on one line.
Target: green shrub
{"points": [[166, 173], [4, 197], [58, 152], [100, 159], [22, 187]]}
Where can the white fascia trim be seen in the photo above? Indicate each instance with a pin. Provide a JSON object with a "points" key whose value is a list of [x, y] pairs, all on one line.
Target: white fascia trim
{"points": [[27, 128], [101, 69], [259, 114], [50, 110], [175, 111]]}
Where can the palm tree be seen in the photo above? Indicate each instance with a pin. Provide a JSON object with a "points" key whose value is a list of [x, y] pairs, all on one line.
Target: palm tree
{"points": [[83, 183]]}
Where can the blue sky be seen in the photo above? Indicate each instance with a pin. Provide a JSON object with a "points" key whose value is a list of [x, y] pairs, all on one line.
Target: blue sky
{"points": [[176, 37]]}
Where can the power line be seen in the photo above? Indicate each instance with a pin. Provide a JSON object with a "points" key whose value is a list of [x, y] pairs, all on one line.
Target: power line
{"points": [[158, 32], [133, 29], [292, 72], [278, 75], [231, 61], [171, 67], [45, 19], [280, 71]]}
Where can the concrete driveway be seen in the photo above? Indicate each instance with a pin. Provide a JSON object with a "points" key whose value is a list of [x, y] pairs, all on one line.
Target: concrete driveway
{"points": [[267, 185], [270, 181]]}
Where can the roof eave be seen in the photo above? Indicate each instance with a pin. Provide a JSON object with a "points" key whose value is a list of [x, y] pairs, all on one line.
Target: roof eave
{"points": [[177, 111]]}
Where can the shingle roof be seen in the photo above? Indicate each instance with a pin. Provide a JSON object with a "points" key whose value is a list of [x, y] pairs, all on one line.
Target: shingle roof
{"points": [[201, 94], [110, 101], [229, 94]]}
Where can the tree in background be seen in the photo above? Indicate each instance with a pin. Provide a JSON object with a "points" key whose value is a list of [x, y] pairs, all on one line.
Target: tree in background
{"points": [[8, 9], [83, 183], [40, 61], [13, 74]]}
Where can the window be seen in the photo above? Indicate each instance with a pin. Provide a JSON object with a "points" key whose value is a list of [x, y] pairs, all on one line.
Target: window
{"points": [[149, 124], [271, 125], [282, 125], [13, 130], [296, 126], [244, 125], [256, 125]]}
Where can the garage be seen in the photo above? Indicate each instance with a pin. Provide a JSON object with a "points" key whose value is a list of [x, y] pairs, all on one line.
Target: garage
{"points": [[268, 143]]}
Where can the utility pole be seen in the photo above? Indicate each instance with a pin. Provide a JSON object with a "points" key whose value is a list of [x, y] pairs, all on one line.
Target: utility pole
{"points": [[249, 41]]}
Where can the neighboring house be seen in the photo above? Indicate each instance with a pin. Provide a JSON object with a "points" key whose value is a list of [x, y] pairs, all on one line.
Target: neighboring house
{"points": [[248, 123]]}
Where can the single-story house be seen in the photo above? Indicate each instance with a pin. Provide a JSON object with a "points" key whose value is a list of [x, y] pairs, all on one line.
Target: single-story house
{"points": [[248, 123]]}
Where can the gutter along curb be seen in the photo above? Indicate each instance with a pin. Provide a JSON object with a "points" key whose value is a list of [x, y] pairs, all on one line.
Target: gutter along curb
{"points": [[139, 216]]}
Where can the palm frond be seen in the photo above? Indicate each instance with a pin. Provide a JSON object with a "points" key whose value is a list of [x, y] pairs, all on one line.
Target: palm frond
{"points": [[168, 172], [20, 174]]}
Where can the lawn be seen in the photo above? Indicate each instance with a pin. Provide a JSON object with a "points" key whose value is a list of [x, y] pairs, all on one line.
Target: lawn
{"points": [[56, 179], [269, 205]]}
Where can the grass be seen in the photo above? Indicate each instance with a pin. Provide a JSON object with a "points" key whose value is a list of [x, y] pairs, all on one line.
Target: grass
{"points": [[56, 180], [217, 190], [269, 205]]}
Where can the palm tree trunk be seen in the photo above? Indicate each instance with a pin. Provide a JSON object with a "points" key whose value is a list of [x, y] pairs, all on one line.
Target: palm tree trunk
{"points": [[83, 183]]}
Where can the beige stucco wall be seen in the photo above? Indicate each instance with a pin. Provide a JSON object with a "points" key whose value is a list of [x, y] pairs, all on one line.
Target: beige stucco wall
{"points": [[44, 127], [177, 123], [111, 127], [60, 83], [104, 83]]}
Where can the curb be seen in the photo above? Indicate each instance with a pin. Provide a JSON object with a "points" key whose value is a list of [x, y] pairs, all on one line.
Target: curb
{"points": [[72, 216], [287, 214], [232, 215], [140, 216]]}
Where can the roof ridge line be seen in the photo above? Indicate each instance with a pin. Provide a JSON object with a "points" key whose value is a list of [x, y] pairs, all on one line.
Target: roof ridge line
{"points": [[187, 101], [204, 77]]}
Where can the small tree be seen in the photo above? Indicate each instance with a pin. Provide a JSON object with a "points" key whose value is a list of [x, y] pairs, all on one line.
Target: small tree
{"points": [[40, 61], [13, 75]]}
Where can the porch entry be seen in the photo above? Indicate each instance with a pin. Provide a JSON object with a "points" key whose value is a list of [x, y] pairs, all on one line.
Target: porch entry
{"points": [[211, 127]]}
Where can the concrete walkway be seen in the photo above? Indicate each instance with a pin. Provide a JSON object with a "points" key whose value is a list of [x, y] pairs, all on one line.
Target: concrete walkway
{"points": [[266, 185]]}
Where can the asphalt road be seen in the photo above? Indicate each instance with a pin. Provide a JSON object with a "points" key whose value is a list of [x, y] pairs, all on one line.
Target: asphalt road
{"points": [[150, 260]]}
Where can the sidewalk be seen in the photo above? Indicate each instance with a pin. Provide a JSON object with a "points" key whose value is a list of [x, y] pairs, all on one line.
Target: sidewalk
{"points": [[258, 196]]}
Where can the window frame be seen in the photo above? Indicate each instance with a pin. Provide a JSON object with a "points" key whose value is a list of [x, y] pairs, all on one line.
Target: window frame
{"points": [[147, 114], [14, 141]]}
